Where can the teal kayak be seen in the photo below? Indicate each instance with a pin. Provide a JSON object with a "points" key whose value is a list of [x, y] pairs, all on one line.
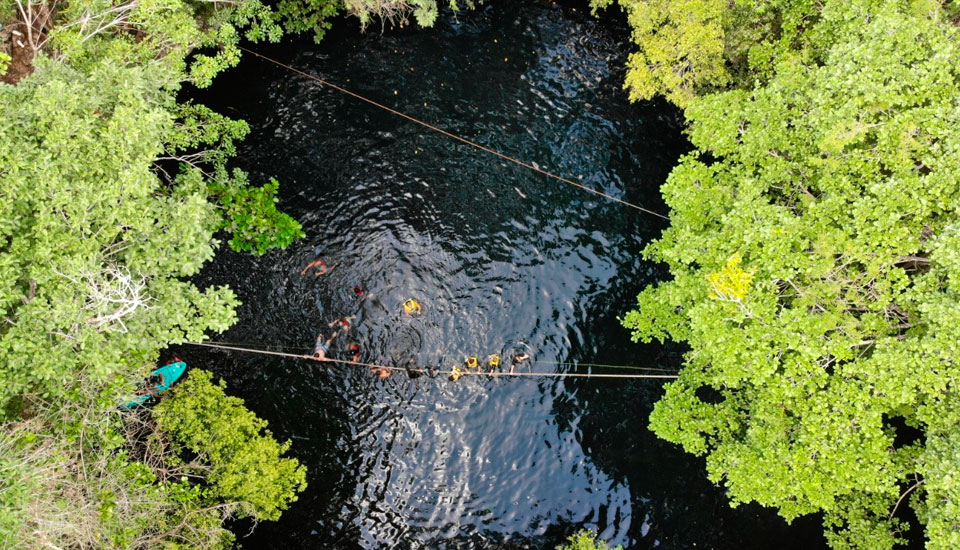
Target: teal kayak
{"points": [[168, 375]]}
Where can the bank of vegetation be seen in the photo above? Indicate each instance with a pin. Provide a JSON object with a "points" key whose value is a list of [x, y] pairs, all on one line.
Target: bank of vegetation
{"points": [[814, 249], [112, 194]]}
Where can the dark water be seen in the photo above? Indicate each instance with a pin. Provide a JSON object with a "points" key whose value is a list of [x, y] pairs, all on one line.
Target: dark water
{"points": [[502, 259]]}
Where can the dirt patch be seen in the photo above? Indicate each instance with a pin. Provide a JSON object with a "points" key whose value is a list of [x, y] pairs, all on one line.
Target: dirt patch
{"points": [[13, 44]]}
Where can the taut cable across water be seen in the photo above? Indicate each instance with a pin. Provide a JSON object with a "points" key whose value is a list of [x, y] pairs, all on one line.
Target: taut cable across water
{"points": [[372, 365], [455, 136]]}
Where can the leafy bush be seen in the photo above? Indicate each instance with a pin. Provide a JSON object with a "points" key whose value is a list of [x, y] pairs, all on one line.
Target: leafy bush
{"points": [[241, 456], [835, 184]]}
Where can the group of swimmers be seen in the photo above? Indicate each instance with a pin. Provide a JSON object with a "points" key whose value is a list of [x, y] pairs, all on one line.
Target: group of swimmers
{"points": [[471, 364]]}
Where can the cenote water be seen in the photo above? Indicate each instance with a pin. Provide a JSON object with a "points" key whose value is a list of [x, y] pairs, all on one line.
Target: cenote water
{"points": [[501, 258]]}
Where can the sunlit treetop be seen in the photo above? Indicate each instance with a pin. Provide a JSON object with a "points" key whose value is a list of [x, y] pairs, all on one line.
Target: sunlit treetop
{"points": [[828, 199]]}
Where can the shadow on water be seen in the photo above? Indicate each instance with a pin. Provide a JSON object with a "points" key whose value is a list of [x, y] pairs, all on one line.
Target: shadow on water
{"points": [[501, 258]]}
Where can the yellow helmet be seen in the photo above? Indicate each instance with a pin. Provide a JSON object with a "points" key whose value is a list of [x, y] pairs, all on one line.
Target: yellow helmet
{"points": [[473, 362]]}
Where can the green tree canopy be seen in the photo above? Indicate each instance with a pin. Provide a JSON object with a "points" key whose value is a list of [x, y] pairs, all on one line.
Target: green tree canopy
{"points": [[689, 48], [111, 194], [94, 244], [231, 442], [813, 248]]}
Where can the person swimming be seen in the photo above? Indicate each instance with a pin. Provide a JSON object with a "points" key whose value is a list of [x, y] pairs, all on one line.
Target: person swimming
{"points": [[493, 362], [322, 347], [318, 263], [344, 323], [412, 372], [412, 307], [355, 350], [381, 371], [517, 359], [472, 362]]}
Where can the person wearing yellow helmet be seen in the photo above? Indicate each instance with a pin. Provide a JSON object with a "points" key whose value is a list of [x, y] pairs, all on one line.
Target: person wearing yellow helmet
{"points": [[411, 307], [472, 362], [493, 362]]}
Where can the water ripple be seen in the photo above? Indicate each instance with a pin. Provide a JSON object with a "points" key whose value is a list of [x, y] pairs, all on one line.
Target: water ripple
{"points": [[502, 260]]}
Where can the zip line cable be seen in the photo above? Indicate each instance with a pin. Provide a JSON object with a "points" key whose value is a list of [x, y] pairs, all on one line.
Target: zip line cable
{"points": [[453, 136], [463, 372], [570, 363]]}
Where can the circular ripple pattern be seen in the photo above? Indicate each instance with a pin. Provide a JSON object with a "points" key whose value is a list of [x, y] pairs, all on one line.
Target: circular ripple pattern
{"points": [[502, 259]]}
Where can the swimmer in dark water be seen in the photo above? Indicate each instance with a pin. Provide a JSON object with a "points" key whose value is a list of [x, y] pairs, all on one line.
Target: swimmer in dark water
{"points": [[517, 359], [344, 323], [412, 372], [380, 371], [412, 307], [322, 265], [355, 350], [455, 374], [359, 292], [322, 347]]}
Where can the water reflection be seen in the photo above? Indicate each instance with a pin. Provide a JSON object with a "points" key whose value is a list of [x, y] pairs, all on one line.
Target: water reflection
{"points": [[500, 258]]}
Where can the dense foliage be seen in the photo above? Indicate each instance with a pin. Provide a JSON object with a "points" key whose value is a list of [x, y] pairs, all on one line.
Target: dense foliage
{"points": [[94, 242], [111, 194], [691, 47], [243, 465], [813, 249], [76, 476]]}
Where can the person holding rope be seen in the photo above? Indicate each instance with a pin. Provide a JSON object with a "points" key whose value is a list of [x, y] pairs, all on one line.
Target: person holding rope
{"points": [[411, 372], [517, 359], [380, 371], [322, 347]]}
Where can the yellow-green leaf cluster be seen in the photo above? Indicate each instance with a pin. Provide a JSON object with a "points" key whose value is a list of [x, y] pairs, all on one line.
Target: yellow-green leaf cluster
{"points": [[243, 458], [731, 283]]}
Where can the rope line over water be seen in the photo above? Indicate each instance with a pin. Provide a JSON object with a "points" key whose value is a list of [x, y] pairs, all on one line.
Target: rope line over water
{"points": [[538, 361], [437, 371], [453, 136]]}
